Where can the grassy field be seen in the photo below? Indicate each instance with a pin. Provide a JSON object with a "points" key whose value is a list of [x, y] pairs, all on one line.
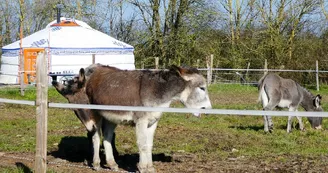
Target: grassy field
{"points": [[211, 142]]}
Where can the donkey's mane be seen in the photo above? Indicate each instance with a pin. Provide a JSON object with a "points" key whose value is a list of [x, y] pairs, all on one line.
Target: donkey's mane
{"points": [[306, 92]]}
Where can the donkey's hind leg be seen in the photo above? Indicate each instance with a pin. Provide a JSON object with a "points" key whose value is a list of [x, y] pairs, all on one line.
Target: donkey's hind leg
{"points": [[265, 102], [269, 103], [108, 131], [268, 124]]}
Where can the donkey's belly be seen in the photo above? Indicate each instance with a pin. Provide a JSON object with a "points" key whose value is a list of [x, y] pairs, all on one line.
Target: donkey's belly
{"points": [[118, 117], [284, 103], [130, 118]]}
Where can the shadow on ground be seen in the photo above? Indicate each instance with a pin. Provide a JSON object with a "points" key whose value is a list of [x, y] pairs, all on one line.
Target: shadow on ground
{"points": [[255, 128], [23, 167], [75, 149], [258, 128]]}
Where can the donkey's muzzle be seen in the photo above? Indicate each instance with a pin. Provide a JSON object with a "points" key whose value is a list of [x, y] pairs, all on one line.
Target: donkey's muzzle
{"points": [[318, 127]]}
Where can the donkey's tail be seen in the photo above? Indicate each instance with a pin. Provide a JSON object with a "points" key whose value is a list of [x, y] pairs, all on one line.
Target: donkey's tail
{"points": [[260, 87], [260, 82]]}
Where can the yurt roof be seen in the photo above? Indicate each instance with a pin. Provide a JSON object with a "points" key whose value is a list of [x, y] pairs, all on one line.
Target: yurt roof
{"points": [[70, 37]]}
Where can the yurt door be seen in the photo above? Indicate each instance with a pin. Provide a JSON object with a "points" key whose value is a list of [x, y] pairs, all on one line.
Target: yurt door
{"points": [[30, 55]]}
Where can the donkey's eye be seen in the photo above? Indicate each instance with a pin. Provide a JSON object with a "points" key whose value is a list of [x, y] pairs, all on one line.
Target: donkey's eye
{"points": [[202, 88]]}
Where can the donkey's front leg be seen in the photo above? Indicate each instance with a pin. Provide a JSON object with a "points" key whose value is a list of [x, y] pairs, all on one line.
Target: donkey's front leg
{"points": [[108, 131], [145, 138], [300, 122], [150, 142], [289, 124], [290, 120], [96, 148]]}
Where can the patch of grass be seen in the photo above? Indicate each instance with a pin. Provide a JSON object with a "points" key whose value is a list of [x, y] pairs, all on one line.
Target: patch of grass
{"points": [[12, 170], [19, 169], [29, 94]]}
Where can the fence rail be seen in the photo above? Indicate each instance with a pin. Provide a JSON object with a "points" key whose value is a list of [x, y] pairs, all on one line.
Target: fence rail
{"points": [[188, 110], [172, 110]]}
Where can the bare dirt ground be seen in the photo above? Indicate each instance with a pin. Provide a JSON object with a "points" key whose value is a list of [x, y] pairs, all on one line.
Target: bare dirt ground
{"points": [[180, 162]]}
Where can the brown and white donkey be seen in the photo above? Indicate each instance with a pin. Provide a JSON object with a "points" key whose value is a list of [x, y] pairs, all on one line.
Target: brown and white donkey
{"points": [[111, 86]]}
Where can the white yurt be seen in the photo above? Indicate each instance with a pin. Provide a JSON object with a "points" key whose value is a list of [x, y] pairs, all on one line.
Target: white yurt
{"points": [[71, 45]]}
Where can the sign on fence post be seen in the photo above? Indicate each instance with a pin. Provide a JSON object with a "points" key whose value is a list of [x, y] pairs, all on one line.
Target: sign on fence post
{"points": [[41, 113]]}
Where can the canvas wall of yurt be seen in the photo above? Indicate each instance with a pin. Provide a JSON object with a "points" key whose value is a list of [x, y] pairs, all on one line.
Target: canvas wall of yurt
{"points": [[70, 45]]}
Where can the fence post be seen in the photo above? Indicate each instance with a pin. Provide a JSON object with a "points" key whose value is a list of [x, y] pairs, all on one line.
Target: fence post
{"points": [[197, 63], [265, 66], [246, 75], [209, 63], [93, 59], [41, 113], [317, 73], [22, 72], [22, 85], [142, 65], [156, 62]]}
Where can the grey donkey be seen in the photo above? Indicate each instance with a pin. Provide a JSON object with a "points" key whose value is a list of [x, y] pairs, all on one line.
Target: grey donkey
{"points": [[275, 91]]}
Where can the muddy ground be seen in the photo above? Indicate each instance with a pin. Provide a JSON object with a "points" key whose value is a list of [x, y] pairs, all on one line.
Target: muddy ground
{"points": [[178, 162]]}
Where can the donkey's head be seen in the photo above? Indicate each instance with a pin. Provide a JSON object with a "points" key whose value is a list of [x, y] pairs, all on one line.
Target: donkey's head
{"points": [[316, 106], [195, 94], [74, 86]]}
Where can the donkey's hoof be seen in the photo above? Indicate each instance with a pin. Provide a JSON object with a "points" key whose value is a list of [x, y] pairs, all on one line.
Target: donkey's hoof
{"points": [[151, 169], [96, 166], [85, 162], [142, 168], [146, 169], [113, 166], [268, 131]]}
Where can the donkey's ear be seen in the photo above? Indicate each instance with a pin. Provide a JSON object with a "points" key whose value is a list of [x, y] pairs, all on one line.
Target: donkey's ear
{"points": [[175, 69], [317, 101], [82, 75], [179, 70]]}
